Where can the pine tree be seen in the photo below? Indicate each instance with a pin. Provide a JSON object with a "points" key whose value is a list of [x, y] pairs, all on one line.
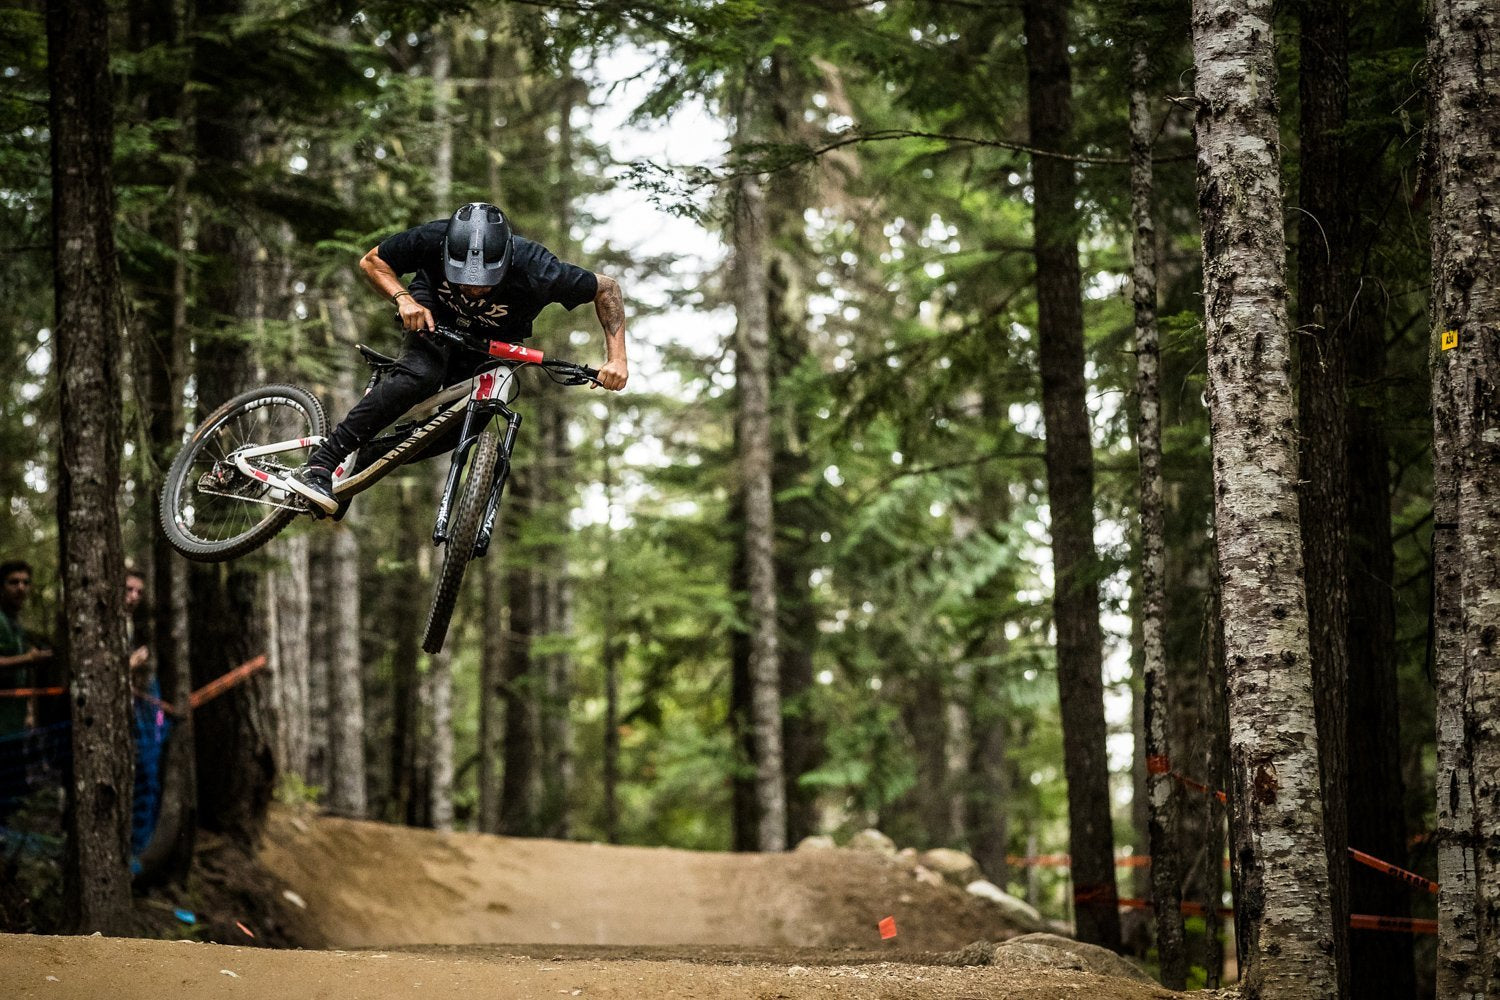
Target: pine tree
{"points": [[1070, 472], [1465, 134], [1166, 885], [88, 325], [1285, 927]]}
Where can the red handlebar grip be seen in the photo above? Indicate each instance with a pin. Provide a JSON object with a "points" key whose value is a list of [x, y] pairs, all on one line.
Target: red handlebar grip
{"points": [[515, 352]]}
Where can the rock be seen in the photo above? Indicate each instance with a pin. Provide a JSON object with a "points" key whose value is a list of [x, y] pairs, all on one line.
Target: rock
{"points": [[978, 953], [820, 842], [1017, 911], [873, 841], [955, 866], [1095, 959], [927, 876], [1034, 955], [909, 853]]}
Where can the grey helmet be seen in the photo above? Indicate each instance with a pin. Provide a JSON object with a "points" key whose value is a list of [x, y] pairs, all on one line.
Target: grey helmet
{"points": [[477, 248]]}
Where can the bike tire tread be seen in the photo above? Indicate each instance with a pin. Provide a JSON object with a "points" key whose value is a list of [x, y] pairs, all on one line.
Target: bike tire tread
{"points": [[460, 545]]}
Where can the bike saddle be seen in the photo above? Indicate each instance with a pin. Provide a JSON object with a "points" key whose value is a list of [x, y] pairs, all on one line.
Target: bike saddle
{"points": [[375, 358]]}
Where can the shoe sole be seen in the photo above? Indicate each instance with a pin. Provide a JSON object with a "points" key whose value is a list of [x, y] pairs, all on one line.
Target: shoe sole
{"points": [[317, 498]]}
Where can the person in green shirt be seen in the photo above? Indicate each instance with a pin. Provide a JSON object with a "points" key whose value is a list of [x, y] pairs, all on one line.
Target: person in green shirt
{"points": [[18, 655]]}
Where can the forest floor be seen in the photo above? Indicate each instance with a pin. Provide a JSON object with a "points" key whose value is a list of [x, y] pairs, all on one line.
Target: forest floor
{"points": [[410, 913]]}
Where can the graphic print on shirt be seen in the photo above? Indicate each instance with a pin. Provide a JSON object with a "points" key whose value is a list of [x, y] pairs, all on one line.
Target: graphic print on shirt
{"points": [[470, 311]]}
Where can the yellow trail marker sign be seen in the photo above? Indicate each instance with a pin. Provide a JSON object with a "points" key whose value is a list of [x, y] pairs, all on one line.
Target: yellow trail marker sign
{"points": [[1450, 340]]}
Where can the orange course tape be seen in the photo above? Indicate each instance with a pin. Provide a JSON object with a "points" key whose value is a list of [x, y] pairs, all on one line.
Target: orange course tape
{"points": [[1406, 925], [1189, 908], [1395, 871], [219, 685], [207, 692], [32, 692]]}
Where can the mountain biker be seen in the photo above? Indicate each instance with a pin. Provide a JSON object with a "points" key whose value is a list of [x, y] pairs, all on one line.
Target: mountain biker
{"points": [[473, 274]]}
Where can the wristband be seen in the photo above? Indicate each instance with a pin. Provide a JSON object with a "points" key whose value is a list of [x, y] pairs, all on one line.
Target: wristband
{"points": [[396, 297]]}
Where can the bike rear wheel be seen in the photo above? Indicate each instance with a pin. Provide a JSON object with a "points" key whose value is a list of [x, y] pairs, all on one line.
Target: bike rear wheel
{"points": [[462, 537], [210, 511]]}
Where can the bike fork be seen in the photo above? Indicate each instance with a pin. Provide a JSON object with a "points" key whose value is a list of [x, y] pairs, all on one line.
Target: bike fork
{"points": [[474, 421], [502, 473]]}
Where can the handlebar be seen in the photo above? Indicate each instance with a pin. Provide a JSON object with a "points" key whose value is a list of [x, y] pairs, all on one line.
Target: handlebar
{"points": [[574, 374]]}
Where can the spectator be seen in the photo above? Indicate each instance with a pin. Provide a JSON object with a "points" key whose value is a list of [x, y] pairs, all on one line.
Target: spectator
{"points": [[148, 718], [137, 631], [19, 656]]}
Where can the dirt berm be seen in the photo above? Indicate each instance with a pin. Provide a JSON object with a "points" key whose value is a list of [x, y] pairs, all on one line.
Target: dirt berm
{"points": [[374, 885], [428, 916]]}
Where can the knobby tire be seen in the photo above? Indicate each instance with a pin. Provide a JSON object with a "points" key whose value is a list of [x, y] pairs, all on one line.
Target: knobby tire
{"points": [[276, 519], [461, 538]]}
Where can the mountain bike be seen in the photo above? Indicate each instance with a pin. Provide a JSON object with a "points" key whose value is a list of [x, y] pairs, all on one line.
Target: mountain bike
{"points": [[226, 493]]}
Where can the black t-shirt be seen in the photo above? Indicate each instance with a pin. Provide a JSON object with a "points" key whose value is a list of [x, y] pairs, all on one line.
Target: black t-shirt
{"points": [[536, 278]]}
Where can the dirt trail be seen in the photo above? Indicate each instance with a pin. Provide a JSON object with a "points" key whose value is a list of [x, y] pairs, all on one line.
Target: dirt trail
{"points": [[373, 885], [94, 968], [455, 916]]}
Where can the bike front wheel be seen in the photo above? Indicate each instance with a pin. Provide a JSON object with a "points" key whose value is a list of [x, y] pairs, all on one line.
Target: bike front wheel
{"points": [[459, 548], [210, 510]]}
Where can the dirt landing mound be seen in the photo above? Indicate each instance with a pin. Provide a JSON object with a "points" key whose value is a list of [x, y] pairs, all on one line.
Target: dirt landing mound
{"points": [[89, 968], [374, 885]]}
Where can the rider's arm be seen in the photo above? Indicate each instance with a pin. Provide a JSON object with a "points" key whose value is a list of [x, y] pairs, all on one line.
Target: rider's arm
{"points": [[610, 305], [381, 276]]}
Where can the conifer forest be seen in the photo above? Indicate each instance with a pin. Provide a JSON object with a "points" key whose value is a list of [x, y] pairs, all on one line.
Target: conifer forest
{"points": [[1001, 497]]}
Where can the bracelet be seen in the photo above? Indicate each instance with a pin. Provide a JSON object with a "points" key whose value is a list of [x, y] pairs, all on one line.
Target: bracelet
{"points": [[396, 296]]}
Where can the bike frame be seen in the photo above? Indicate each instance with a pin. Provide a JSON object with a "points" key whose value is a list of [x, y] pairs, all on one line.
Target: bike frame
{"points": [[477, 400]]}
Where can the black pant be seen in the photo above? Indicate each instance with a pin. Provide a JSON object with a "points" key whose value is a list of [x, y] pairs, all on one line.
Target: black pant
{"points": [[425, 367]]}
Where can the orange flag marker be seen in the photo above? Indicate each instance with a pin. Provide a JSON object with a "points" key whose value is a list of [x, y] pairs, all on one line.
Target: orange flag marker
{"points": [[887, 928]]}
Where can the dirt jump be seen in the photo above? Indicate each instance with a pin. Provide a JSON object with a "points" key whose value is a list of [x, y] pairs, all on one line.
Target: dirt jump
{"points": [[397, 912]]}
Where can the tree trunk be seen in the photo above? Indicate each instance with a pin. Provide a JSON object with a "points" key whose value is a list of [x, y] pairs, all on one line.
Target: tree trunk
{"points": [[1323, 262], [402, 805], [609, 653], [439, 679], [1211, 755], [1465, 63], [1166, 877], [88, 328], [347, 788], [320, 639], [440, 791], [987, 817], [1284, 896], [924, 707], [170, 853], [1070, 473], [797, 516], [753, 382], [518, 790], [289, 652], [555, 486], [1381, 965], [235, 758], [745, 812], [491, 685]]}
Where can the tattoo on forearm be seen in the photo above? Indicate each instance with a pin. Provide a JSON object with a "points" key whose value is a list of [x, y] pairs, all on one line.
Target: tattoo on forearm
{"points": [[610, 305]]}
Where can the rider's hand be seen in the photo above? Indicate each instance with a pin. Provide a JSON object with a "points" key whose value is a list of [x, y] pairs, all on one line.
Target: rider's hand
{"points": [[36, 655], [613, 374], [414, 315]]}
